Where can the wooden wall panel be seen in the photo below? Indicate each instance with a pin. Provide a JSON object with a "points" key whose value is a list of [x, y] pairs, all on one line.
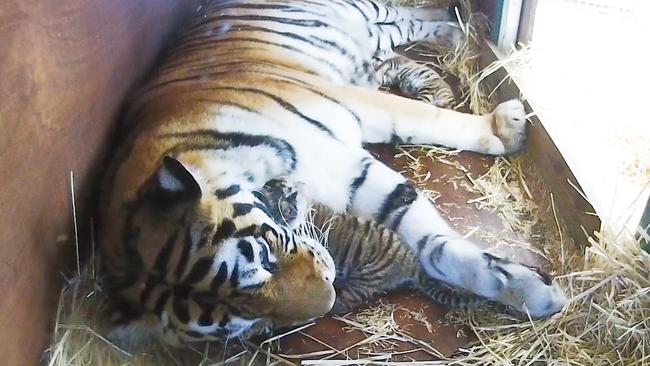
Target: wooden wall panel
{"points": [[65, 67], [576, 212]]}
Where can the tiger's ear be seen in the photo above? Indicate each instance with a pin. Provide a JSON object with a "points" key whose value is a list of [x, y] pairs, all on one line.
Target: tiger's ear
{"points": [[173, 184]]}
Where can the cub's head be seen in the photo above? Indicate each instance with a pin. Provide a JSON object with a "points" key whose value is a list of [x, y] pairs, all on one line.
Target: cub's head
{"points": [[207, 262]]}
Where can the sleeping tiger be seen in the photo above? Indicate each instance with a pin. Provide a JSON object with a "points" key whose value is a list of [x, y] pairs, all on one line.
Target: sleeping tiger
{"points": [[257, 90]]}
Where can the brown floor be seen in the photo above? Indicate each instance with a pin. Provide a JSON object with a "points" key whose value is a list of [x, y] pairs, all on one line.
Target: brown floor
{"points": [[330, 334]]}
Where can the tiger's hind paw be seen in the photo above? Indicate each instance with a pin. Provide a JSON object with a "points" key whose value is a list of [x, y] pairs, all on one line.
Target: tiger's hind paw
{"points": [[526, 289], [462, 264]]}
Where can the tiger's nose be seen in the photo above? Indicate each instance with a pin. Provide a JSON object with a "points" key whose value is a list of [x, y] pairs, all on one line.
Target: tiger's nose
{"points": [[300, 290]]}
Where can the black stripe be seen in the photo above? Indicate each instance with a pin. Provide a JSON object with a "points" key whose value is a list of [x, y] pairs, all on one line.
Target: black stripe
{"points": [[199, 270], [224, 320], [262, 208], [283, 8], [241, 209], [159, 269], [205, 235], [261, 197], [201, 75], [308, 23], [149, 284], [374, 6], [284, 104], [179, 304], [423, 241], [133, 263], [334, 45], [213, 43], [359, 249], [225, 193], [435, 255], [224, 231], [358, 181], [161, 302], [219, 278], [215, 140], [264, 258], [403, 195], [378, 269], [205, 319], [363, 13], [249, 230], [252, 286], [325, 96], [185, 255], [206, 300], [246, 249], [319, 43], [234, 276]]}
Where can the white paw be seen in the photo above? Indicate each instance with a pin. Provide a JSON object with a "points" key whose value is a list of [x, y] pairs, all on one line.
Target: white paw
{"points": [[525, 288], [462, 264], [448, 35], [510, 125]]}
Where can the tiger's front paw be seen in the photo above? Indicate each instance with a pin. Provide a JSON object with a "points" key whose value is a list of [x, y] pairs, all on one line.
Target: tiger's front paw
{"points": [[509, 125]]}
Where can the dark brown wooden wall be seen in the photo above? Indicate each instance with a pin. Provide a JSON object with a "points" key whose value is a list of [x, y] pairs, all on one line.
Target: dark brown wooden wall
{"points": [[65, 67]]}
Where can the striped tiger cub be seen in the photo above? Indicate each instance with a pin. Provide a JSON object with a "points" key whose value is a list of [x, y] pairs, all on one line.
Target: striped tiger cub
{"points": [[370, 259], [413, 80], [256, 90]]}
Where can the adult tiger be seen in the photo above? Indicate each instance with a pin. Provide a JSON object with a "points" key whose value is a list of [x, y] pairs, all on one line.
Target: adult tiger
{"points": [[257, 90]]}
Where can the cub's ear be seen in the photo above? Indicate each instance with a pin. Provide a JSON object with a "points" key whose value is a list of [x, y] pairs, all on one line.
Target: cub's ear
{"points": [[173, 184]]}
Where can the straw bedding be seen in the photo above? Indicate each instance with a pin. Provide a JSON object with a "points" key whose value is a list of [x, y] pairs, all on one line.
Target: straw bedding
{"points": [[606, 322]]}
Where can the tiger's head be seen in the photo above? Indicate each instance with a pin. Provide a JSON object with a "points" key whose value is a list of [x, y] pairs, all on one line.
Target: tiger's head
{"points": [[206, 262]]}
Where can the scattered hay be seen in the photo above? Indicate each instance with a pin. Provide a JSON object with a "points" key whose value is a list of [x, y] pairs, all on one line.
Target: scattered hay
{"points": [[80, 339], [607, 320], [417, 170], [503, 190], [79, 333], [462, 62], [382, 330]]}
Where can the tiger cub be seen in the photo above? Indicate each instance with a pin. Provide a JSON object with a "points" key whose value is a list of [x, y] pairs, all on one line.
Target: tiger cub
{"points": [[370, 259], [413, 79]]}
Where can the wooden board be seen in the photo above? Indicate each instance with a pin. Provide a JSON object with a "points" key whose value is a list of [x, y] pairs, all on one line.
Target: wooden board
{"points": [[577, 213], [65, 67]]}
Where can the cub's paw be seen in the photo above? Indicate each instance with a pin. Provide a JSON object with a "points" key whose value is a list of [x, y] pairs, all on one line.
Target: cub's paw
{"points": [[509, 125]]}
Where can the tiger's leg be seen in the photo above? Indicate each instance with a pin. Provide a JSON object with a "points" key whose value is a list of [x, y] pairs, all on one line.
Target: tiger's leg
{"points": [[388, 118], [385, 196]]}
